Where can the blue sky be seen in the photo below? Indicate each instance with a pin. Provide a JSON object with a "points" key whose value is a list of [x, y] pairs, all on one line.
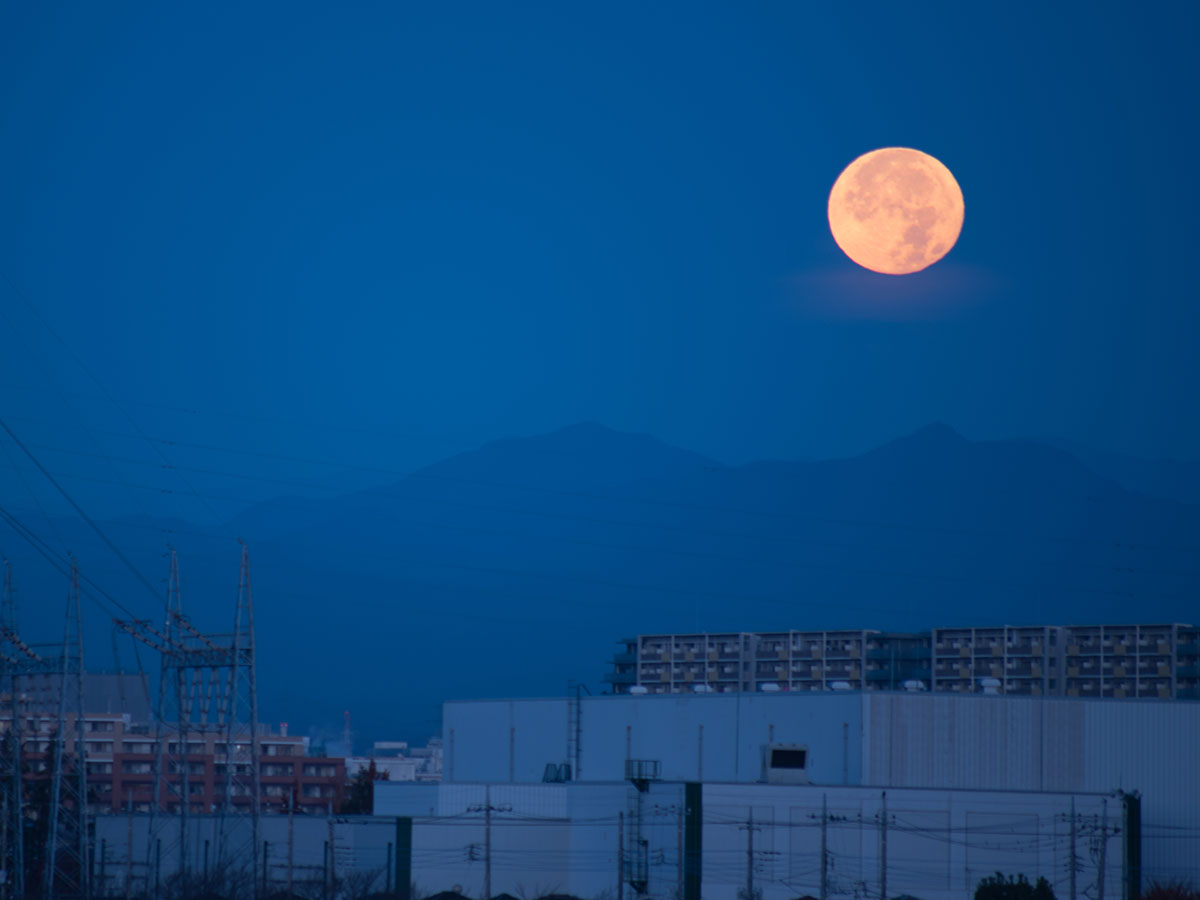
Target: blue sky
{"points": [[377, 234]]}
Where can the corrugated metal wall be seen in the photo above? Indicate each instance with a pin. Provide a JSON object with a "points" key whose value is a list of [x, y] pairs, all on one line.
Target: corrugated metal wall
{"points": [[899, 740], [1051, 744]]}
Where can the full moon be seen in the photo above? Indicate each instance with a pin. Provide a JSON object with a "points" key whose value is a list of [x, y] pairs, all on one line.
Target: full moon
{"points": [[895, 210]]}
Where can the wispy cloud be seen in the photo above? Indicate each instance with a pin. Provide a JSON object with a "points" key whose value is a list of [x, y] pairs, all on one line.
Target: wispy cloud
{"points": [[850, 292]]}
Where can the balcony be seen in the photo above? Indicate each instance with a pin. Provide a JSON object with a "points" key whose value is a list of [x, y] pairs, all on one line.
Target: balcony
{"points": [[624, 658]]}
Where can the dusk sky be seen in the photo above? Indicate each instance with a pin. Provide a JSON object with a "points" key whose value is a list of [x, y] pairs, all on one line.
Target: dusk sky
{"points": [[375, 235]]}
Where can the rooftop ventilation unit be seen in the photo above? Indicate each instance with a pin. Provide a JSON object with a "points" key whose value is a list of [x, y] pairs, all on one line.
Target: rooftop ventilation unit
{"points": [[787, 763]]}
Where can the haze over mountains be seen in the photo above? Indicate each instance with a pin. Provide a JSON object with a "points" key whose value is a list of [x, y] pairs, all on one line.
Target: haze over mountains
{"points": [[512, 568]]}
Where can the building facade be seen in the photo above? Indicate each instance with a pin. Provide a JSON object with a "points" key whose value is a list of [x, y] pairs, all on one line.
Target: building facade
{"points": [[122, 754], [1115, 661], [397, 761], [882, 740], [732, 841]]}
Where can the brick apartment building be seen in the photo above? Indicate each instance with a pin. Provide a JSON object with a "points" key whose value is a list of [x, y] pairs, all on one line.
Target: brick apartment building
{"points": [[121, 757]]}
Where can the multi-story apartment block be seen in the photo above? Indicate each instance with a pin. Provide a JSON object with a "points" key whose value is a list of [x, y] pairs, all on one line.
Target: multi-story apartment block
{"points": [[121, 756], [1131, 661], [1119, 661], [1001, 660]]}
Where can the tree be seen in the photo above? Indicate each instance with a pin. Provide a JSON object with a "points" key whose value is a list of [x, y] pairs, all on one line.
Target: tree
{"points": [[999, 887], [1171, 890], [360, 799]]}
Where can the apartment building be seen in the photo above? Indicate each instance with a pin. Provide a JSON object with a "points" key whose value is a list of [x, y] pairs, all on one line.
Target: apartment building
{"points": [[121, 757], [1117, 661]]}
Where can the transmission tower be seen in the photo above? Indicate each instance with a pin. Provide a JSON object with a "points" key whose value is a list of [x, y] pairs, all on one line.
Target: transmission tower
{"points": [[206, 693], [241, 720], [183, 712], [35, 679], [67, 822], [13, 857]]}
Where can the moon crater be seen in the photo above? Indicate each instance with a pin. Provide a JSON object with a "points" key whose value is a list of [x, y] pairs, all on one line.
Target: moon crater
{"points": [[895, 210]]}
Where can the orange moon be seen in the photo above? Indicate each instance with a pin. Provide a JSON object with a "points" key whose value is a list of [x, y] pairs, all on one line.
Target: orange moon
{"points": [[895, 210]]}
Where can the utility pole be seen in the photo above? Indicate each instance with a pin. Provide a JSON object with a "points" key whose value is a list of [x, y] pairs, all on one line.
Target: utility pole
{"points": [[679, 856], [883, 825], [750, 829], [620, 856], [487, 809], [1072, 858], [752, 857], [487, 843], [291, 839], [1103, 848], [824, 851]]}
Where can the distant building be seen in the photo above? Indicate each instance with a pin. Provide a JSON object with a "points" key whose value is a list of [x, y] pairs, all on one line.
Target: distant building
{"points": [[121, 756], [1117, 661], [395, 761]]}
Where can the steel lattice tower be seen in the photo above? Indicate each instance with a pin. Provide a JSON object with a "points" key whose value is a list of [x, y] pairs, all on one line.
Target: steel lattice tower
{"points": [[14, 798], [66, 858], [34, 683], [206, 690], [241, 720], [183, 711]]}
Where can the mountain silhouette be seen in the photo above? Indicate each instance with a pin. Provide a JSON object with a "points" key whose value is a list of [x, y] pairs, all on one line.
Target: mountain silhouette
{"points": [[510, 569]]}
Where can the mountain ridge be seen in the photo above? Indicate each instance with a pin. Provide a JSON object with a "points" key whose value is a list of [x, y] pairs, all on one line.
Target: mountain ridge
{"points": [[523, 560]]}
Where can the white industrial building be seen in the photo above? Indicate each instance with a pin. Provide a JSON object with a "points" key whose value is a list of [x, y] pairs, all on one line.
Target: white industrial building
{"points": [[975, 783], [726, 796], [610, 839]]}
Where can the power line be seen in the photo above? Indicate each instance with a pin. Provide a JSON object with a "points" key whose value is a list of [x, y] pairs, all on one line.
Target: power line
{"points": [[79, 509]]}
